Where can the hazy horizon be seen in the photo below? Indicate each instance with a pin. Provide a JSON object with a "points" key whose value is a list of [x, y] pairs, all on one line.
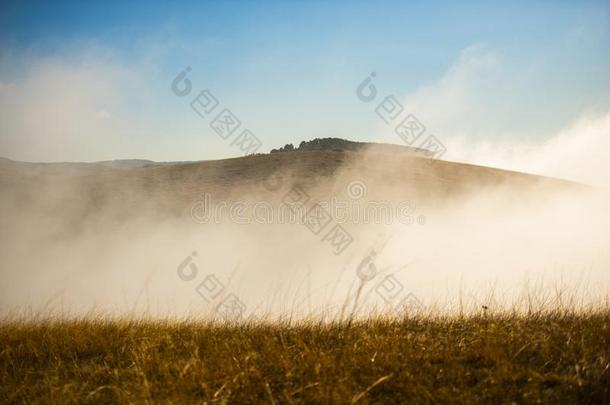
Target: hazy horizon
{"points": [[501, 85]]}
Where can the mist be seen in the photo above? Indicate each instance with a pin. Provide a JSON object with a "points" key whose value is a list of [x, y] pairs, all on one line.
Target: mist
{"points": [[453, 243]]}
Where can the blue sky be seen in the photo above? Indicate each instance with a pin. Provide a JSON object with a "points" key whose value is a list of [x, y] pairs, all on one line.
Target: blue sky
{"points": [[90, 81]]}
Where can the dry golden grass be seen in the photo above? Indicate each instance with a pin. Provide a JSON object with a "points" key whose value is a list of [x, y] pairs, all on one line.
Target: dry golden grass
{"points": [[559, 357]]}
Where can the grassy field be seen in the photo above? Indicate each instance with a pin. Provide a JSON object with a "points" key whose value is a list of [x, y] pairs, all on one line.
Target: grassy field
{"points": [[550, 358]]}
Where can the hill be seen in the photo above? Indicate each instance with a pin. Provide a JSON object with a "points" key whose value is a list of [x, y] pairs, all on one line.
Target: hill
{"points": [[170, 189]]}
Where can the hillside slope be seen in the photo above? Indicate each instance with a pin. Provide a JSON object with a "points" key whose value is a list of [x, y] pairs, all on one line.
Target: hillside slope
{"points": [[171, 189]]}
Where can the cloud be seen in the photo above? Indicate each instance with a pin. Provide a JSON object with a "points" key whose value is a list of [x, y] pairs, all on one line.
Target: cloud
{"points": [[91, 102], [466, 100], [580, 152], [472, 110], [102, 114], [54, 108]]}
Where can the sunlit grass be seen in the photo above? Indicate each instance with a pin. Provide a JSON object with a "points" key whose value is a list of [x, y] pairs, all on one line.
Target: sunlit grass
{"points": [[551, 357]]}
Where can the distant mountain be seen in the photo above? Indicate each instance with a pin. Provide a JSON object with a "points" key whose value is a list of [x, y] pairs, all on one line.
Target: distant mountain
{"points": [[344, 144], [127, 163], [80, 167]]}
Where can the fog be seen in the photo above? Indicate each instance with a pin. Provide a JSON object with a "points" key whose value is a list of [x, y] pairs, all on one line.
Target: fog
{"points": [[447, 248], [424, 237]]}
